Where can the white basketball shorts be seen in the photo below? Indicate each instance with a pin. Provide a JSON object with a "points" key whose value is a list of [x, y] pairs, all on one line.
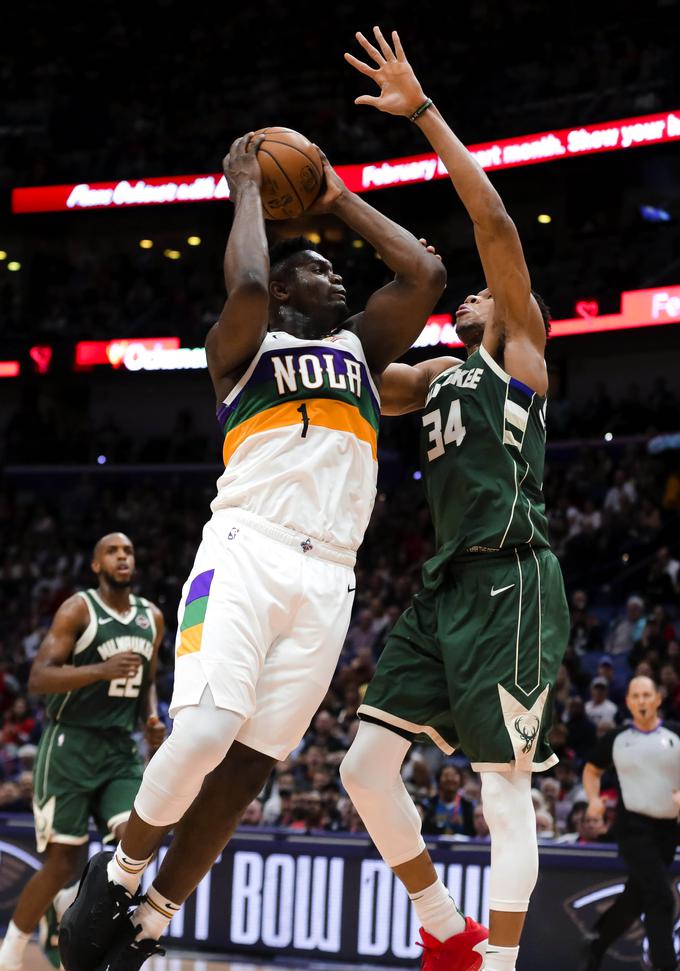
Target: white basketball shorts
{"points": [[262, 620]]}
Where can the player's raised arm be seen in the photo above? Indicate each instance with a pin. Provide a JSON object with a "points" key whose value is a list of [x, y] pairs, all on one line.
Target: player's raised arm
{"points": [[404, 387], [496, 236], [396, 314], [242, 325], [52, 674]]}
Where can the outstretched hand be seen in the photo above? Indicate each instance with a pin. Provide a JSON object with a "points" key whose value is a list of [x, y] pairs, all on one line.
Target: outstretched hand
{"points": [[400, 90]]}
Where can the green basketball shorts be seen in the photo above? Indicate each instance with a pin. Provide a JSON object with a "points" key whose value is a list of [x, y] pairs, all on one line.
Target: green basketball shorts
{"points": [[80, 773], [471, 665]]}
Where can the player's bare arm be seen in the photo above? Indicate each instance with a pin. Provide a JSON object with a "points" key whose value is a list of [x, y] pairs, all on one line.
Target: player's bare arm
{"points": [[154, 729], [396, 314], [518, 334], [52, 674], [235, 338], [404, 387]]}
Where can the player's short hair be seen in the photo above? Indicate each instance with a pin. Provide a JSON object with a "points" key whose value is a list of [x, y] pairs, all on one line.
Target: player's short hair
{"points": [[545, 311], [98, 544], [283, 250]]}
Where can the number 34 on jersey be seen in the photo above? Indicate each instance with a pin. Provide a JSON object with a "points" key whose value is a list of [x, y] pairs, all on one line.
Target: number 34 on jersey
{"points": [[448, 429]]}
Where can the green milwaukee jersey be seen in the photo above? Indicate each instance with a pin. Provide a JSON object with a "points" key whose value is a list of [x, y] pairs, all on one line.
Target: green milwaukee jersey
{"points": [[108, 704], [483, 452]]}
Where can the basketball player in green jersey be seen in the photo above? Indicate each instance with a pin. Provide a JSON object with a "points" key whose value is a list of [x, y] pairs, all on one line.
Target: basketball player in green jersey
{"points": [[97, 666], [472, 662]]}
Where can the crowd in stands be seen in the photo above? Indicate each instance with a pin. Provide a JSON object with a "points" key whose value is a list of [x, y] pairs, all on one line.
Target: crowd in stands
{"points": [[615, 523], [132, 107], [71, 115], [71, 288], [56, 424]]}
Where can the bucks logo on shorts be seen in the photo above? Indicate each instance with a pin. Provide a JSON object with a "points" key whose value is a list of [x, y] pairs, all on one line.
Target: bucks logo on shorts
{"points": [[108, 704]]}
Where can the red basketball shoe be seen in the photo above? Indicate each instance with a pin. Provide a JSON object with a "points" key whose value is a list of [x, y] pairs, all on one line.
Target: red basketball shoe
{"points": [[462, 952]]}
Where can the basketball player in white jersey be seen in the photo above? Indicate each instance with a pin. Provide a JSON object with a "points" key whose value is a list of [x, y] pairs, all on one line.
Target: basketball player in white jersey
{"points": [[266, 607]]}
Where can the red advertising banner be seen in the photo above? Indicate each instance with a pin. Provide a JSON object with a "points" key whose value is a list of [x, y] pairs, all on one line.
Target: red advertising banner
{"points": [[503, 153], [639, 308]]}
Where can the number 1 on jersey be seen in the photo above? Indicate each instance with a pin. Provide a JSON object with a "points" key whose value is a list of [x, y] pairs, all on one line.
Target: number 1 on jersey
{"points": [[454, 430], [305, 419]]}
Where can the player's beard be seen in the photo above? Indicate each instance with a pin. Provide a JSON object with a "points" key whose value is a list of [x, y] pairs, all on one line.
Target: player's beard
{"points": [[115, 583]]}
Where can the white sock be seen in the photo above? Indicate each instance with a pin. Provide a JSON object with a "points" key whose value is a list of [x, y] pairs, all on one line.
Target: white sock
{"points": [[154, 914], [500, 958], [437, 912], [13, 947], [125, 871], [64, 899]]}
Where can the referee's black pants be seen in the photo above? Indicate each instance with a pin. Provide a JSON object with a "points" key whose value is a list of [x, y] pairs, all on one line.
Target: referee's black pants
{"points": [[647, 846]]}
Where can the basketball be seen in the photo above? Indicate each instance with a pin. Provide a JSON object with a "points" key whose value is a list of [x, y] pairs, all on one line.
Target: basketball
{"points": [[292, 173]]}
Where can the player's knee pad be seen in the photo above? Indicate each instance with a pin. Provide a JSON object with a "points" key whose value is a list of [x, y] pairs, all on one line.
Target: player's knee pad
{"points": [[510, 816], [371, 774], [374, 759], [201, 737]]}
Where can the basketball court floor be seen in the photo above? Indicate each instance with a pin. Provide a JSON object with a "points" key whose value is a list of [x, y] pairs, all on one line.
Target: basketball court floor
{"points": [[191, 961]]}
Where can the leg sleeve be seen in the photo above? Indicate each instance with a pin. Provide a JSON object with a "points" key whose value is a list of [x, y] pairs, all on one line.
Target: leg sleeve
{"points": [[371, 774], [510, 816]]}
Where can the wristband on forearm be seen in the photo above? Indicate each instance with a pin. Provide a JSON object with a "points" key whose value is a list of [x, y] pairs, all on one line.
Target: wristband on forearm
{"points": [[421, 111]]}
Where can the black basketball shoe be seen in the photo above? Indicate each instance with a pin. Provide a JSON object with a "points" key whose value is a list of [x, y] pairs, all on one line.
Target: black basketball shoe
{"points": [[128, 954], [95, 919]]}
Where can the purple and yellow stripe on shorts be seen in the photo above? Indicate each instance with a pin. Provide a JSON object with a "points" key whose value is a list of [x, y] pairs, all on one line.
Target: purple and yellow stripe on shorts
{"points": [[191, 628]]}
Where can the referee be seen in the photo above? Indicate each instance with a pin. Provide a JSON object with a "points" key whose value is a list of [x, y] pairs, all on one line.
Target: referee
{"points": [[646, 756]]}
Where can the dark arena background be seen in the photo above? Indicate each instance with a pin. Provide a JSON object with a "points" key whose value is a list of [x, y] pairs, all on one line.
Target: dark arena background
{"points": [[114, 214]]}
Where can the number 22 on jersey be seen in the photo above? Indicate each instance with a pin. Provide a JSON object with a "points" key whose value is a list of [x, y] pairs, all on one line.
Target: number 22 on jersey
{"points": [[454, 430]]}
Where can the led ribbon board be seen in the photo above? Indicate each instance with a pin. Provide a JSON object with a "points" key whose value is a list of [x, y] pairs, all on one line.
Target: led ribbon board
{"points": [[503, 153]]}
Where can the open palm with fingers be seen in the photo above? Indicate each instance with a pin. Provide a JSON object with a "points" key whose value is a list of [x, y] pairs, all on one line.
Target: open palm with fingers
{"points": [[400, 90]]}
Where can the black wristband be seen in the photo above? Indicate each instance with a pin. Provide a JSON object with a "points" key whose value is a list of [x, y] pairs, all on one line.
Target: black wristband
{"points": [[421, 111]]}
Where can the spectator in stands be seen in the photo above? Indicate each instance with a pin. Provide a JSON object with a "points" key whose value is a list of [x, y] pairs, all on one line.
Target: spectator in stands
{"points": [[325, 734], [574, 822], [309, 763], [277, 809], [663, 578], [615, 689], [330, 799], [361, 633], [417, 778], [591, 829], [580, 727], [626, 630], [621, 494], [670, 693], [586, 630], [17, 796], [545, 824], [9, 686], [19, 725], [253, 814], [600, 707], [449, 811], [481, 829]]}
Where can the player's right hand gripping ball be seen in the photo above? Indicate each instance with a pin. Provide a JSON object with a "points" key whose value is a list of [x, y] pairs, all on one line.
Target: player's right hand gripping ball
{"points": [[292, 172]]}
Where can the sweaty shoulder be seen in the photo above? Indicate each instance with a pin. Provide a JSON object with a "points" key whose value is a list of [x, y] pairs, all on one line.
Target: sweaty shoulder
{"points": [[74, 606]]}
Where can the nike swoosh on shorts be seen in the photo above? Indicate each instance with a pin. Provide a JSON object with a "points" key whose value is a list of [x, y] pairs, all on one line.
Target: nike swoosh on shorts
{"points": [[494, 593]]}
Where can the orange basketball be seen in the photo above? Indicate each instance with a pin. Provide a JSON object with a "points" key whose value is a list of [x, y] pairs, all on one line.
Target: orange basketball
{"points": [[292, 172]]}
